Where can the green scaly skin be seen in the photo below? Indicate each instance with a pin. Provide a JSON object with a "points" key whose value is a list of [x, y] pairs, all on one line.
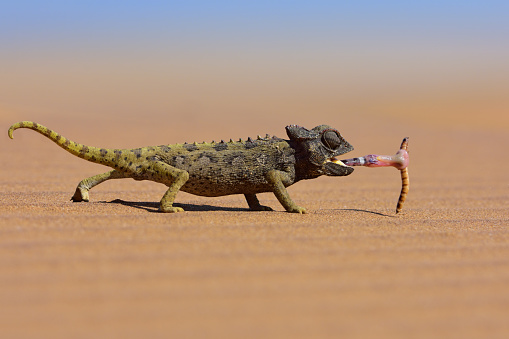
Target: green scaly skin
{"points": [[249, 167]]}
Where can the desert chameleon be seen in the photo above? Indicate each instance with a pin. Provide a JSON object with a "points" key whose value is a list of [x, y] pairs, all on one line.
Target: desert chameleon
{"points": [[268, 164]]}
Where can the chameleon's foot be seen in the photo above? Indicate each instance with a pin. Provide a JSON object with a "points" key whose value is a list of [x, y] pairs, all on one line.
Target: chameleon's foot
{"points": [[170, 209], [85, 185], [254, 204], [261, 208], [81, 194], [297, 209]]}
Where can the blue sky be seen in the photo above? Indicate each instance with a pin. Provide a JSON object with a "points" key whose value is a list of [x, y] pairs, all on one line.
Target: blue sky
{"points": [[263, 30], [33, 22]]}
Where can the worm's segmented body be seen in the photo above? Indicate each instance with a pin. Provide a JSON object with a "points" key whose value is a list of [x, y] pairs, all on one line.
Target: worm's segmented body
{"points": [[405, 180]]}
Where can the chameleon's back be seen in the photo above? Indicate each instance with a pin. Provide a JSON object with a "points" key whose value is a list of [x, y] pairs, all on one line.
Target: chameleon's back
{"points": [[224, 168]]}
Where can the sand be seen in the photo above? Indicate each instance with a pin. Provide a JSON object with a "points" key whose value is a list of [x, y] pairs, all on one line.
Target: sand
{"points": [[116, 268]]}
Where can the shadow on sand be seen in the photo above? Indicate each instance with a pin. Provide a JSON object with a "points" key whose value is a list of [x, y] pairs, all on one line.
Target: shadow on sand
{"points": [[154, 206], [366, 211]]}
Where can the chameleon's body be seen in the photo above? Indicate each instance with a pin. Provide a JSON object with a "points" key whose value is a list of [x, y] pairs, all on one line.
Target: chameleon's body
{"points": [[249, 167]]}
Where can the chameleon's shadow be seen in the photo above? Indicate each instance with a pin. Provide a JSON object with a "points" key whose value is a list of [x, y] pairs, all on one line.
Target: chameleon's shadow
{"points": [[153, 207], [366, 211]]}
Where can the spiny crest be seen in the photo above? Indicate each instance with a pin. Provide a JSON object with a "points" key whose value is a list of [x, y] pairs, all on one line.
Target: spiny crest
{"points": [[249, 139]]}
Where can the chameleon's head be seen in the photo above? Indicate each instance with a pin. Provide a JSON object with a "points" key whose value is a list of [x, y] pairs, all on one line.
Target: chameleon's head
{"points": [[318, 149]]}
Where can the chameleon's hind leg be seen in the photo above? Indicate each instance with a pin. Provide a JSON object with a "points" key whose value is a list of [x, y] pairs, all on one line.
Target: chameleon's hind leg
{"points": [[254, 204], [172, 177], [85, 185]]}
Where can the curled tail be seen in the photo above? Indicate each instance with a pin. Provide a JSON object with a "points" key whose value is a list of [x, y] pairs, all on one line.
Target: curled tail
{"points": [[98, 155]]}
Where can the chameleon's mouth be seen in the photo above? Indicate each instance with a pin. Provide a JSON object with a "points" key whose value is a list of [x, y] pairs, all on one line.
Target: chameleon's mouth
{"points": [[335, 167], [337, 162]]}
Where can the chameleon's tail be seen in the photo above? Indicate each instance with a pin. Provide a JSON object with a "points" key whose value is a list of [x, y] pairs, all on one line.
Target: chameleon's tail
{"points": [[93, 154]]}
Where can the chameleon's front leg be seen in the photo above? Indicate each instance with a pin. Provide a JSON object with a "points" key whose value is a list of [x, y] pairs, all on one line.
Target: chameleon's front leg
{"points": [[85, 185], [277, 179], [174, 178]]}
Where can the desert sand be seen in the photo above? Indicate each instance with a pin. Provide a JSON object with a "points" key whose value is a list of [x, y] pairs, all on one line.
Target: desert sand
{"points": [[350, 268]]}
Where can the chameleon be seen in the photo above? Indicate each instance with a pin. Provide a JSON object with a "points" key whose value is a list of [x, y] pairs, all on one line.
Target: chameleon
{"points": [[212, 169]]}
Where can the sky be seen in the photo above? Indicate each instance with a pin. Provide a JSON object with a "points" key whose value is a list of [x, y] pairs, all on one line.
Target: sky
{"points": [[439, 59]]}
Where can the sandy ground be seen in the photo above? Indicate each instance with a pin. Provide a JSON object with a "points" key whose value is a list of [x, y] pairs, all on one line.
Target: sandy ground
{"points": [[115, 268]]}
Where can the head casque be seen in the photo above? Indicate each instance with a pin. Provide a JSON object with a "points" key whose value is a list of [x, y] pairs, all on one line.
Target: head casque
{"points": [[316, 150]]}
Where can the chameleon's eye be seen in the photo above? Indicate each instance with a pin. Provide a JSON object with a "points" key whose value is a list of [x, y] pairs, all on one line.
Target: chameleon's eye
{"points": [[331, 139]]}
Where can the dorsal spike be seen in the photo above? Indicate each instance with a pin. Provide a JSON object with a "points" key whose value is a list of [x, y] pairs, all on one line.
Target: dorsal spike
{"points": [[231, 140], [195, 143], [267, 136], [258, 137], [213, 142], [185, 142], [240, 140], [222, 141], [249, 139]]}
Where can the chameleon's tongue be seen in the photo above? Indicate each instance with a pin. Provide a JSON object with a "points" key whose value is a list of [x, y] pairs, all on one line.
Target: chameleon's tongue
{"points": [[400, 160]]}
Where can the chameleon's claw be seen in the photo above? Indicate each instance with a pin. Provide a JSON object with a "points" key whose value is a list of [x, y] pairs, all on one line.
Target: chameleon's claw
{"points": [[170, 209], [81, 194], [261, 208], [297, 209]]}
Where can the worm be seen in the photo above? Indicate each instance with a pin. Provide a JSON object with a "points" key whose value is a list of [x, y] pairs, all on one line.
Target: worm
{"points": [[405, 180], [400, 160]]}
